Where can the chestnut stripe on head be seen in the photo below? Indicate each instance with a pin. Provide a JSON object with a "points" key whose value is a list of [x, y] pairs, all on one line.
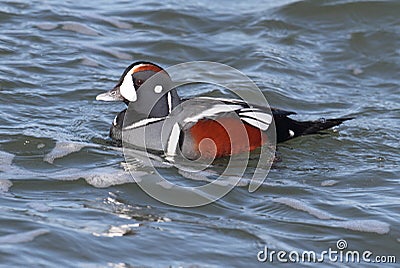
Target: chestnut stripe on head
{"points": [[145, 67]]}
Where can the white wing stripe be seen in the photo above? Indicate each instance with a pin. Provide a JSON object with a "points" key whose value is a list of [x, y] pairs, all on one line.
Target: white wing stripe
{"points": [[216, 109], [263, 117], [249, 109], [233, 101], [256, 123]]}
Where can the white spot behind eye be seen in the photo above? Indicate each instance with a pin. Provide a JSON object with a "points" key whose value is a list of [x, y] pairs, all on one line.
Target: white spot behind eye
{"points": [[158, 89], [291, 133]]}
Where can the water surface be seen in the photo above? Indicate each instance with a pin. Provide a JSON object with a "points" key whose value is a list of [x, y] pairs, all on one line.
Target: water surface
{"points": [[65, 199]]}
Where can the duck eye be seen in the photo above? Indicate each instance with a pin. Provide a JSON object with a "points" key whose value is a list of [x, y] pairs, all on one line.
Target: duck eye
{"points": [[139, 82]]}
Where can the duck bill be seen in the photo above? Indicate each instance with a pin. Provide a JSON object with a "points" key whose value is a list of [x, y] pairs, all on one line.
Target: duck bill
{"points": [[112, 95]]}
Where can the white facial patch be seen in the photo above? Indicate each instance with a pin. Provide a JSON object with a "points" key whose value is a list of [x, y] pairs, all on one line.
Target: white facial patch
{"points": [[127, 89], [158, 89]]}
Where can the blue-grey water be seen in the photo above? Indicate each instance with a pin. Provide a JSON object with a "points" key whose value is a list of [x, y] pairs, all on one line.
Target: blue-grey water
{"points": [[65, 199]]}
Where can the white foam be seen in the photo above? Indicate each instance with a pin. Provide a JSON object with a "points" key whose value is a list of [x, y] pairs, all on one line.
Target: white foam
{"points": [[6, 161], [41, 207], [329, 182], [6, 165], [99, 177], [107, 179], [70, 174], [5, 185], [62, 149], [370, 226], [300, 205], [118, 231], [41, 146], [22, 237], [12, 171]]}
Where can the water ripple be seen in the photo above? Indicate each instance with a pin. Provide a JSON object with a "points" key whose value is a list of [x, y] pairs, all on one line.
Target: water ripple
{"points": [[61, 180]]}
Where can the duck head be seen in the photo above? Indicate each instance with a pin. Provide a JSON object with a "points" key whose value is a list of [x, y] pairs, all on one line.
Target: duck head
{"points": [[154, 97]]}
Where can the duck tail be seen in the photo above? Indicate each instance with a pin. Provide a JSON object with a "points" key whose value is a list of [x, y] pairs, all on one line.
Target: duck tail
{"points": [[291, 128]]}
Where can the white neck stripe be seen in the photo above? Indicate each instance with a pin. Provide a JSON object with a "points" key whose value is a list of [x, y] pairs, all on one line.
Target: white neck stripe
{"points": [[169, 98], [173, 140]]}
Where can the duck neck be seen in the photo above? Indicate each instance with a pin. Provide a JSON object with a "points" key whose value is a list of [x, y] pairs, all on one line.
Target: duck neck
{"points": [[166, 104], [154, 108]]}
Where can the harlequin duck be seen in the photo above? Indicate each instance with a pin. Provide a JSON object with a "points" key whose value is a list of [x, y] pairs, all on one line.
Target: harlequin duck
{"points": [[159, 120]]}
